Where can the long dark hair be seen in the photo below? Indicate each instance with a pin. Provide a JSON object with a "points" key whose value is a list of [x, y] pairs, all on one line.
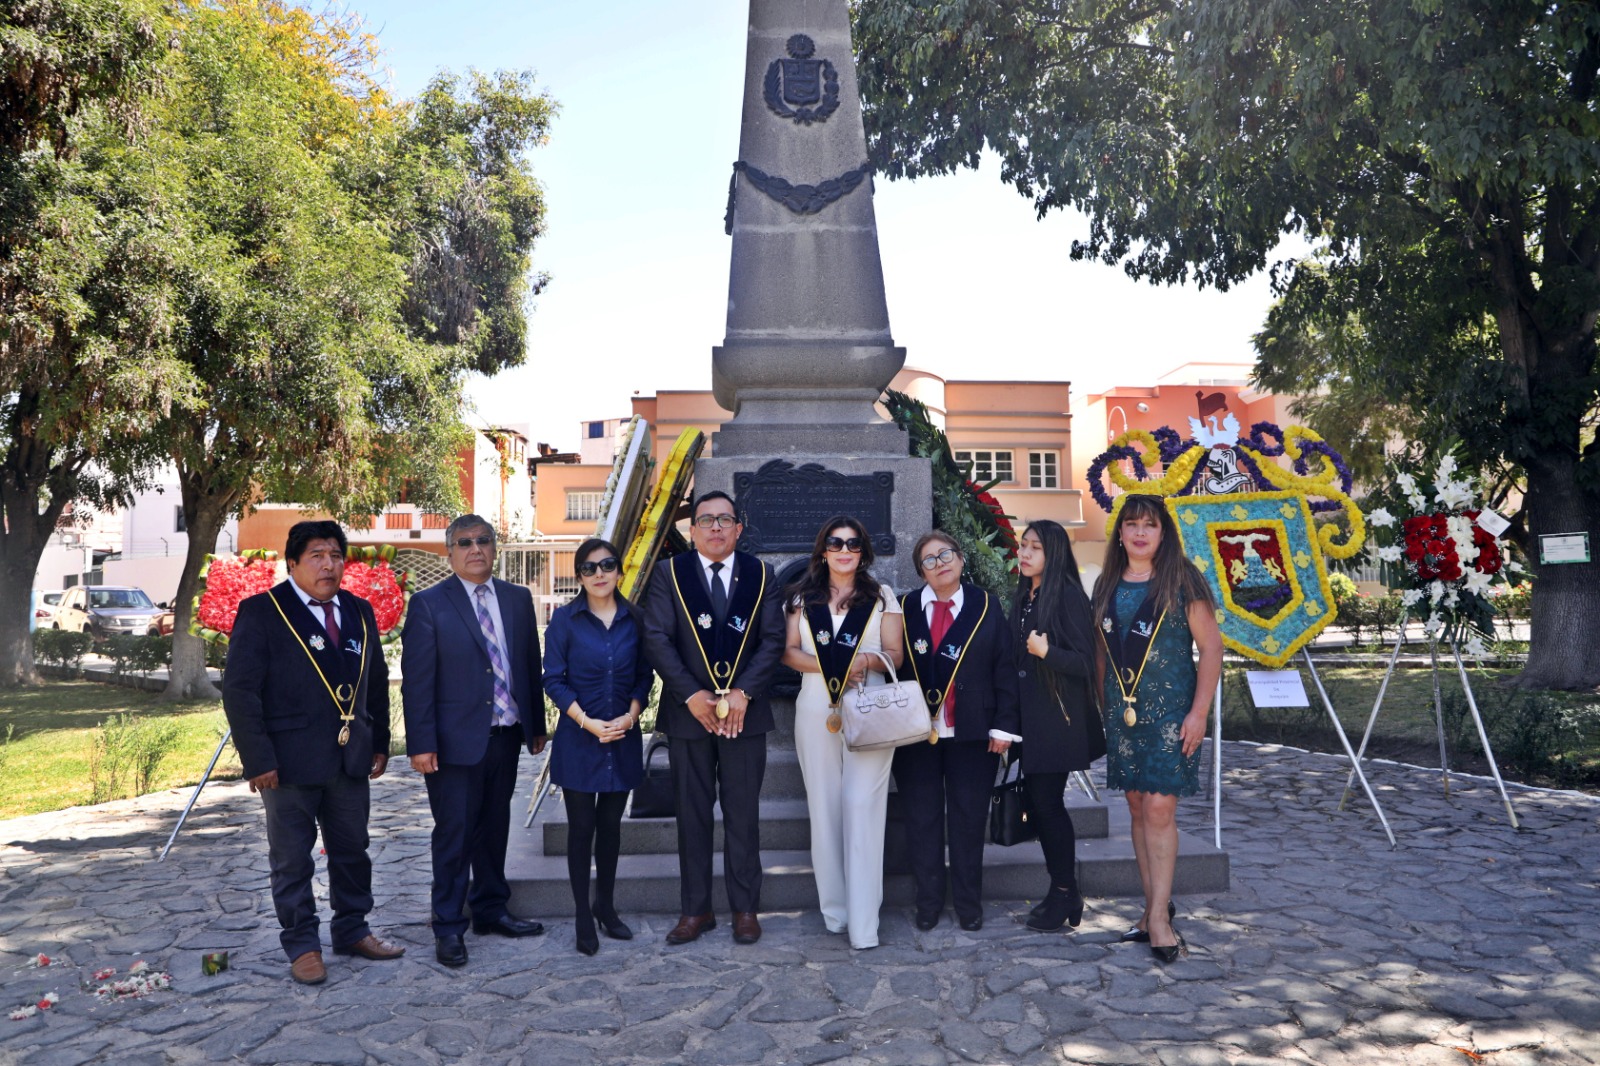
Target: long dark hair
{"points": [[811, 588], [1061, 607], [1173, 579]]}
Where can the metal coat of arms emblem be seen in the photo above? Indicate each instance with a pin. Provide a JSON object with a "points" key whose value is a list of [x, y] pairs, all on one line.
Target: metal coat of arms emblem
{"points": [[801, 87]]}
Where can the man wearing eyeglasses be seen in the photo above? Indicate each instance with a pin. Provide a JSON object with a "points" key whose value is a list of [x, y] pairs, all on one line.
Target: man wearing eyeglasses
{"points": [[714, 631], [473, 699]]}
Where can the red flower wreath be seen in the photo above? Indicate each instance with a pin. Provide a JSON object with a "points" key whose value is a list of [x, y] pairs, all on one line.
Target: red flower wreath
{"points": [[228, 581]]}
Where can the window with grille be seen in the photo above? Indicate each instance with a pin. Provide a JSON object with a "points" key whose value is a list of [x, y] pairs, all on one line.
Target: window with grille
{"points": [[435, 521], [987, 465], [1043, 471], [397, 520], [583, 506]]}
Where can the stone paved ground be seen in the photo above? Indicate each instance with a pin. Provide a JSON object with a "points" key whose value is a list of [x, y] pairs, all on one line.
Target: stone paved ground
{"points": [[1471, 943]]}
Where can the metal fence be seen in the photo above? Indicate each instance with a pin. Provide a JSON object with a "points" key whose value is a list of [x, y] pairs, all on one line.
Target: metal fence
{"points": [[545, 567]]}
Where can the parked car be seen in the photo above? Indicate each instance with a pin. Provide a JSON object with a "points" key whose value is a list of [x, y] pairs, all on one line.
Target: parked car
{"points": [[106, 610], [44, 615]]}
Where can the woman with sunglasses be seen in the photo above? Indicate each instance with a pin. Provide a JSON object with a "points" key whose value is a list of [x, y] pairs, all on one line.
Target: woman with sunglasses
{"points": [[1060, 715], [959, 645], [1152, 609], [839, 615], [595, 673]]}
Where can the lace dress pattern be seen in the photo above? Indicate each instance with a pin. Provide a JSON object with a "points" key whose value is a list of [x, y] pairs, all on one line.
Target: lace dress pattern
{"points": [[1149, 756]]}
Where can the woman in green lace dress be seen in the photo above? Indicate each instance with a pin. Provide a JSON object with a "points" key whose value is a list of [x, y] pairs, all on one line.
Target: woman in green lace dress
{"points": [[1152, 608]]}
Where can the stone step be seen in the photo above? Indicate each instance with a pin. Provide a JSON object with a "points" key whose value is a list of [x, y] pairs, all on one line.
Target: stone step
{"points": [[785, 826]]}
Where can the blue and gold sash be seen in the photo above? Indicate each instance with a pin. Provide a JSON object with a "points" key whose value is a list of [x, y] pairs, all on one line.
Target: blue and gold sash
{"points": [[722, 646], [936, 668]]}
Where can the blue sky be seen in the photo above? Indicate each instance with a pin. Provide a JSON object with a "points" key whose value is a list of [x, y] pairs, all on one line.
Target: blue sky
{"points": [[636, 178]]}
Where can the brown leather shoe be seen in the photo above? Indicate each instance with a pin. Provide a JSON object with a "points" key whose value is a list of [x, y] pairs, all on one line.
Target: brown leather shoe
{"points": [[746, 930], [308, 969], [370, 947], [690, 926]]}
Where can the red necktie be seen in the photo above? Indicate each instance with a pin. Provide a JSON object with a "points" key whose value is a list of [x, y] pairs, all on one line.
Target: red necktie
{"points": [[943, 618], [328, 622]]}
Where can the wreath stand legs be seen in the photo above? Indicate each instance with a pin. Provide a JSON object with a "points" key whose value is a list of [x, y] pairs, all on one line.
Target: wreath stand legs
{"points": [[1216, 764], [1438, 717], [195, 795], [1082, 778], [541, 789], [1355, 763]]}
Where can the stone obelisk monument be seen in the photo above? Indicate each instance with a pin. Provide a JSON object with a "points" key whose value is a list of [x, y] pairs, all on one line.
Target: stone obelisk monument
{"points": [[808, 349]]}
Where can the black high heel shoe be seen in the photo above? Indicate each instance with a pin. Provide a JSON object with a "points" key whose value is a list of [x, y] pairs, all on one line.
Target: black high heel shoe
{"points": [[588, 941], [1165, 955], [1062, 906], [1136, 935], [615, 927]]}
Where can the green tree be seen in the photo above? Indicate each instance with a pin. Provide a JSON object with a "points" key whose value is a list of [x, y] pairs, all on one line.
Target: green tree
{"points": [[85, 311], [1446, 154]]}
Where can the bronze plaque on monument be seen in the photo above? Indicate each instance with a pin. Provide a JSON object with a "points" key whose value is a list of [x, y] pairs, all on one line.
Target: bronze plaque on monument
{"points": [[784, 505]]}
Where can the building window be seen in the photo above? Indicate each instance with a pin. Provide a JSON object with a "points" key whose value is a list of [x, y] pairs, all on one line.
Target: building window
{"points": [[397, 520], [1042, 471], [987, 466], [583, 506], [435, 521], [178, 523], [597, 430]]}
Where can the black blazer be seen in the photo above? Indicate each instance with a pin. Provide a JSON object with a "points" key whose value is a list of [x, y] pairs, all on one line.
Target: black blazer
{"points": [[986, 684], [671, 648], [1052, 744], [446, 682], [281, 713]]}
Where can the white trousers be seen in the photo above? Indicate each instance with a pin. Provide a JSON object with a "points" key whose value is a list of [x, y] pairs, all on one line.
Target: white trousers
{"points": [[847, 794]]}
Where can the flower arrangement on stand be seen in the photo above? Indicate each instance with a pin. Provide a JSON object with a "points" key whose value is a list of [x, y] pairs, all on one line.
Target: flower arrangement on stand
{"points": [[1447, 546], [226, 581]]}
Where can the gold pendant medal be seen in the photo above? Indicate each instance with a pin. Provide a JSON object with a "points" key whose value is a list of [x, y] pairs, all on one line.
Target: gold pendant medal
{"points": [[1130, 717], [344, 735], [933, 735], [722, 705], [835, 723]]}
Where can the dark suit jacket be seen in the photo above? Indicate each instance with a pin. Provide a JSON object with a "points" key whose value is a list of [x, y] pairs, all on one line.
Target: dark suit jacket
{"points": [[1051, 744], [281, 713], [986, 684], [447, 684], [670, 646]]}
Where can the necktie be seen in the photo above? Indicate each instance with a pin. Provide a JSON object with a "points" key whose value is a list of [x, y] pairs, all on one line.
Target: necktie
{"points": [[719, 595], [505, 712], [943, 618], [328, 621]]}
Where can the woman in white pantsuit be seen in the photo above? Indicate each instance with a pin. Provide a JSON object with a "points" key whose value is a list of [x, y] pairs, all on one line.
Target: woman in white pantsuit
{"points": [[838, 614]]}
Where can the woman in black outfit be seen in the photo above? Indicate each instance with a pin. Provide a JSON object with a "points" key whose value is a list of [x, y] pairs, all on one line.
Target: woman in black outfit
{"points": [[1060, 719]]}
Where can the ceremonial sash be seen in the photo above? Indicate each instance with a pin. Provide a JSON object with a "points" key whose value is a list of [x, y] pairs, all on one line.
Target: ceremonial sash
{"points": [[836, 652], [1129, 654], [936, 668], [344, 695], [722, 646]]}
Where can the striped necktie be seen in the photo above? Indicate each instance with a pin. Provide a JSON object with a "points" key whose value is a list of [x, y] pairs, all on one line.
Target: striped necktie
{"points": [[505, 711]]}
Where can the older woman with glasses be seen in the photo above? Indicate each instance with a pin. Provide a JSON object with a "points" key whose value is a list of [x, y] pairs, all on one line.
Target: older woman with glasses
{"points": [[959, 643], [839, 619], [595, 673]]}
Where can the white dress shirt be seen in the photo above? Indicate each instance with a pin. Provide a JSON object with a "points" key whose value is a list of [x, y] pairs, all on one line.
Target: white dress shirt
{"points": [[316, 610], [725, 575], [492, 604], [928, 599]]}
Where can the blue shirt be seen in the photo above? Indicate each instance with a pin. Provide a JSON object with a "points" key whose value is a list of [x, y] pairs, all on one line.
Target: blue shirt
{"points": [[603, 671]]}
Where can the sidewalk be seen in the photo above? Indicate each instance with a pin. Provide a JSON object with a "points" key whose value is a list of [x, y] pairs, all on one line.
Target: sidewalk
{"points": [[1331, 949]]}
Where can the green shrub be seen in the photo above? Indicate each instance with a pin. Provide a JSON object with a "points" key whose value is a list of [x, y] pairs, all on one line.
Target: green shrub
{"points": [[1516, 601], [1534, 733], [58, 647], [137, 653], [1343, 587], [127, 750]]}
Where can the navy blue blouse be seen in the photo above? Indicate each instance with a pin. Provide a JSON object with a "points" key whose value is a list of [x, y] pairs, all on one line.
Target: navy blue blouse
{"points": [[603, 671]]}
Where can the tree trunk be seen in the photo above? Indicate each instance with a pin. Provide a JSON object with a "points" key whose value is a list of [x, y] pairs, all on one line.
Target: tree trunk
{"points": [[1564, 650], [205, 517], [16, 647]]}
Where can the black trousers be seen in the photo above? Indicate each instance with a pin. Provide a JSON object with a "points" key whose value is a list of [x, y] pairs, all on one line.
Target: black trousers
{"points": [[944, 794], [1047, 810], [294, 814], [594, 826], [471, 822], [704, 771]]}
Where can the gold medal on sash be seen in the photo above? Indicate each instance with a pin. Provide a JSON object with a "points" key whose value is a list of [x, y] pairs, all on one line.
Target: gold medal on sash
{"points": [[1127, 680], [722, 703], [933, 735], [835, 723], [344, 697], [1130, 717], [721, 672]]}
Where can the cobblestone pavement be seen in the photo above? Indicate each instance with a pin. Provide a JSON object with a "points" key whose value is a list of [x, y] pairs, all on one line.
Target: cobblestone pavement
{"points": [[1471, 943]]}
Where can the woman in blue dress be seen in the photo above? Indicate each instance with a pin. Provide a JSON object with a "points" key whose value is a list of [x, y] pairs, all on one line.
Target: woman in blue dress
{"points": [[1152, 609], [595, 673]]}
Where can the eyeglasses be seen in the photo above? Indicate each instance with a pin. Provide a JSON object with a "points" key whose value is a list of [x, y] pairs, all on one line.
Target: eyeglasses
{"points": [[608, 565], [485, 541], [840, 544], [931, 561], [718, 521]]}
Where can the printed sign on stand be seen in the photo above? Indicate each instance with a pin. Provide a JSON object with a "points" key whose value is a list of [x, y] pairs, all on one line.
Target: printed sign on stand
{"points": [[1277, 688]]}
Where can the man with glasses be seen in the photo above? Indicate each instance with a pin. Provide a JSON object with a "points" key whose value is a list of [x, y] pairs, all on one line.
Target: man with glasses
{"points": [[473, 699], [714, 631]]}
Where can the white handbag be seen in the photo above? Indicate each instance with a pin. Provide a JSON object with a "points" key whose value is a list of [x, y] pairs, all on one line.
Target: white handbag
{"points": [[884, 716]]}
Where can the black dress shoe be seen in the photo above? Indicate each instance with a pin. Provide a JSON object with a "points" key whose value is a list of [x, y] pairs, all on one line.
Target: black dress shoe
{"points": [[588, 941], [1165, 955], [450, 950], [614, 927], [1135, 935], [1063, 906], [506, 925], [972, 925], [927, 921]]}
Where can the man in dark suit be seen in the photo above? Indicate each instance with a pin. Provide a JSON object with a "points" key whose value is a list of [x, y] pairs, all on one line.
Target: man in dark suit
{"points": [[306, 693], [714, 631], [471, 683]]}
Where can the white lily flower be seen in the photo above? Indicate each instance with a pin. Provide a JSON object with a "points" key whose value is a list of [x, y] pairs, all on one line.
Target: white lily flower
{"points": [[1433, 626], [1418, 502], [1380, 518], [1410, 597], [1475, 648], [1436, 591], [1392, 554], [1447, 466], [1479, 582], [1514, 566], [1407, 483]]}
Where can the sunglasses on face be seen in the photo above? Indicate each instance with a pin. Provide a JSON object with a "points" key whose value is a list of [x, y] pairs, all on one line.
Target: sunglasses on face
{"points": [[931, 561], [718, 521], [608, 565], [484, 541], [841, 544]]}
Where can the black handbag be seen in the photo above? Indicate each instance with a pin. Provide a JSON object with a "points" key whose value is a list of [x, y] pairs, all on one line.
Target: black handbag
{"points": [[652, 796], [1008, 806]]}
